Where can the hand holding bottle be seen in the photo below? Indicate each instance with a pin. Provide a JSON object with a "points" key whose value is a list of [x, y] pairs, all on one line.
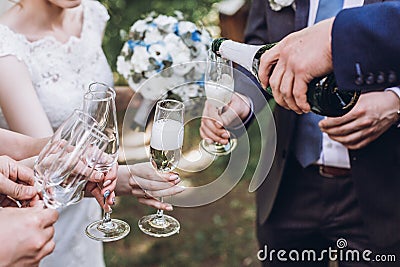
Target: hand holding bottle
{"points": [[296, 60]]}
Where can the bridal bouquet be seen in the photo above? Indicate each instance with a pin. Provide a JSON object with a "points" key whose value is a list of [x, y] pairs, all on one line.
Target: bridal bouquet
{"points": [[167, 46]]}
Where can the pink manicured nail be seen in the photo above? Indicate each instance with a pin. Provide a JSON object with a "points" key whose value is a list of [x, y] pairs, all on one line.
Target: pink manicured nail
{"points": [[173, 176], [169, 208], [106, 183]]}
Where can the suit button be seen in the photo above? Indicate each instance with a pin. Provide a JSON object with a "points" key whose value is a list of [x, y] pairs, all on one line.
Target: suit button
{"points": [[370, 79], [359, 80], [380, 78], [392, 78]]}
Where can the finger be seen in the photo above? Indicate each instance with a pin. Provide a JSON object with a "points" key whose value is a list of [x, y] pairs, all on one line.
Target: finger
{"points": [[24, 174], [47, 249], [146, 171], [36, 202], [49, 216], [275, 83], [267, 62], [287, 91], [300, 88], [213, 126], [95, 176], [96, 193], [156, 204], [349, 128], [329, 123], [17, 191], [211, 137], [166, 192], [110, 187], [151, 185]]}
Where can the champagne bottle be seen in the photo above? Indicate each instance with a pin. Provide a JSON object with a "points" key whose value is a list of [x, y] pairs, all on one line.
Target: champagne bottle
{"points": [[322, 94]]}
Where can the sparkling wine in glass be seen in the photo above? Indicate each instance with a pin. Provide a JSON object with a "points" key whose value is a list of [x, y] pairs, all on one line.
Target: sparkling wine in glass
{"points": [[99, 102], [219, 87], [165, 151]]}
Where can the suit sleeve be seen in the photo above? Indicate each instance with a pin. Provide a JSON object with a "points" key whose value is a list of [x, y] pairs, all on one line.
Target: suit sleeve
{"points": [[366, 47], [255, 33]]}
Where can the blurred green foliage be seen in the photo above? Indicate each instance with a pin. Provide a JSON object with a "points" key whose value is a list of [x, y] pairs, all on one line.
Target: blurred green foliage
{"points": [[124, 13]]}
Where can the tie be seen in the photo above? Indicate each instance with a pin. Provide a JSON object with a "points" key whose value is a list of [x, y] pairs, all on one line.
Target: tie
{"points": [[308, 143]]}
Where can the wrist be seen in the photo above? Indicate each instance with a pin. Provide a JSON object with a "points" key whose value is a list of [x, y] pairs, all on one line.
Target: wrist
{"points": [[396, 92]]}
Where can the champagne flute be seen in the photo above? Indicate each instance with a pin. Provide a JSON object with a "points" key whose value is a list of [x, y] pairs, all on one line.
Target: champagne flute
{"points": [[165, 151], [219, 87], [61, 170], [99, 102]]}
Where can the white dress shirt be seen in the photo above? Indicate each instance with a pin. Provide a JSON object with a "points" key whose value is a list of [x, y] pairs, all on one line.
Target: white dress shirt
{"points": [[333, 153]]}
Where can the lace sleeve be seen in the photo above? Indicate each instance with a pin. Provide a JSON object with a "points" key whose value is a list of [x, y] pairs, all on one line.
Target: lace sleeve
{"points": [[12, 44], [98, 13]]}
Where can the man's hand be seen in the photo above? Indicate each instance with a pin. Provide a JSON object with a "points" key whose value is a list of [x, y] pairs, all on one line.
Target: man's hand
{"points": [[294, 62], [212, 124], [373, 114]]}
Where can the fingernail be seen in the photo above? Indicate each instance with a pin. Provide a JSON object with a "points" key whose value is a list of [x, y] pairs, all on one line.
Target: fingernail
{"points": [[169, 208], [225, 135], [106, 194], [173, 176], [177, 181], [209, 141], [182, 187], [106, 183]]}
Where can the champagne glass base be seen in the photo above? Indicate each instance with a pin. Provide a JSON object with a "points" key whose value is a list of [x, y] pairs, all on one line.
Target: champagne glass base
{"points": [[153, 225], [217, 149], [107, 232]]}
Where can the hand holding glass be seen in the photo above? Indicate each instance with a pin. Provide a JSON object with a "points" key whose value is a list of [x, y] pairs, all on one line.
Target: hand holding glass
{"points": [[99, 102], [65, 164], [219, 87], [165, 151]]}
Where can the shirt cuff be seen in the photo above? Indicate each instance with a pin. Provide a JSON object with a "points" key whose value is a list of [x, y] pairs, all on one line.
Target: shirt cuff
{"points": [[396, 90]]}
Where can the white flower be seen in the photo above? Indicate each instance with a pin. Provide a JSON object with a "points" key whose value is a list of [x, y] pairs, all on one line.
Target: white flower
{"points": [[277, 5], [139, 26], [179, 52], [154, 58], [158, 52], [153, 35], [123, 66], [165, 23], [186, 26], [140, 59]]}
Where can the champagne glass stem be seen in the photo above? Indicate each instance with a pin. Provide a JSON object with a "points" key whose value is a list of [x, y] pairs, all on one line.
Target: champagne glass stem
{"points": [[160, 213]]}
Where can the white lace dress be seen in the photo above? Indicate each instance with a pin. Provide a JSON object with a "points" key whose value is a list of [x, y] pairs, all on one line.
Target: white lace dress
{"points": [[61, 72]]}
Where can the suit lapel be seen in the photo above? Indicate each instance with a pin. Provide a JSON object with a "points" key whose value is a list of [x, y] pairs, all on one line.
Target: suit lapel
{"points": [[301, 14]]}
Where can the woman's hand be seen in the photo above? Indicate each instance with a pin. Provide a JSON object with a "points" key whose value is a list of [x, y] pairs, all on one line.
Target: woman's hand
{"points": [[26, 235], [16, 181], [103, 187], [144, 182]]}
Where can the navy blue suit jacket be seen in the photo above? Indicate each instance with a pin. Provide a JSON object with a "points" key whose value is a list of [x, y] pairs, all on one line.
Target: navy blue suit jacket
{"points": [[375, 168], [366, 47]]}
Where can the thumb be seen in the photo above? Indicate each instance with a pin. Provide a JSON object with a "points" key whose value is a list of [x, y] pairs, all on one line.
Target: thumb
{"points": [[17, 191]]}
